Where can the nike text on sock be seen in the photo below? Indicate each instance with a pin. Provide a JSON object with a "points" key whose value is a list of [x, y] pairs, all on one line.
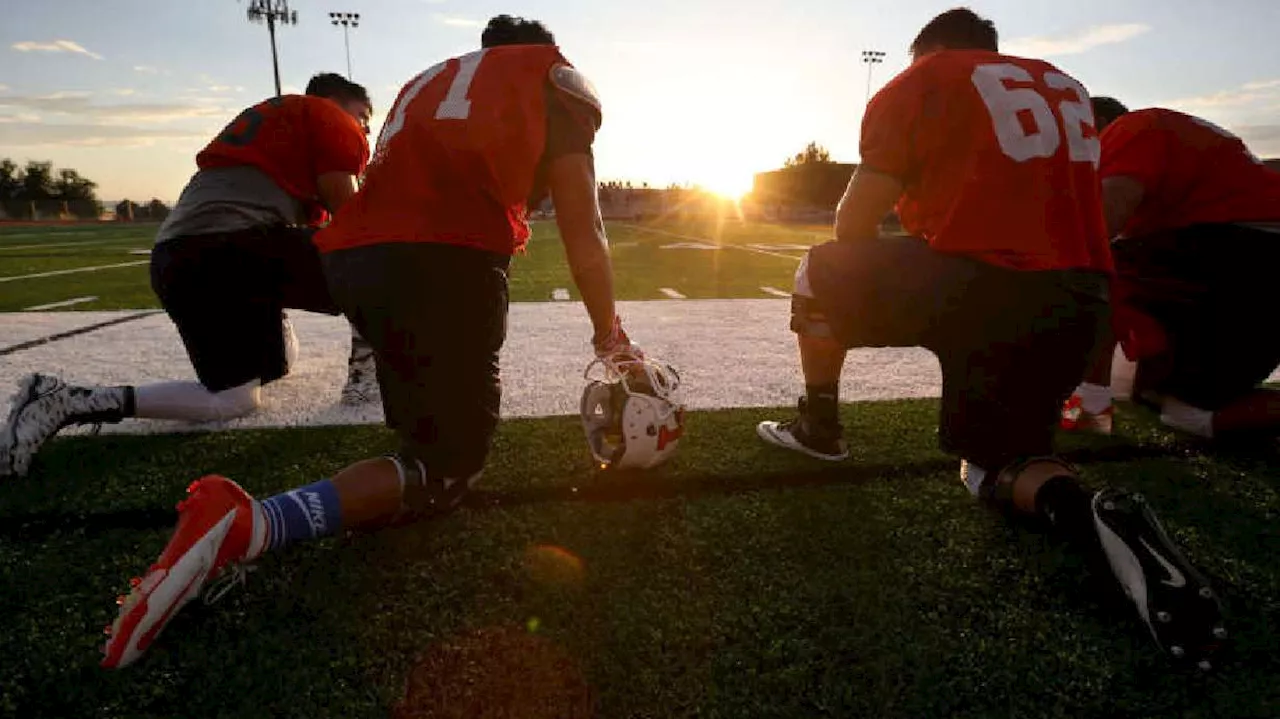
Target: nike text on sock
{"points": [[304, 513]]}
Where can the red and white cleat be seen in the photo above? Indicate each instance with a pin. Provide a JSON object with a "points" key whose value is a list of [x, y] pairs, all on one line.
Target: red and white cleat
{"points": [[1076, 419], [219, 525]]}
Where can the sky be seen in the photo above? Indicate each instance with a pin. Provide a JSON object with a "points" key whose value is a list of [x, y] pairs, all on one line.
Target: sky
{"points": [[704, 92]]}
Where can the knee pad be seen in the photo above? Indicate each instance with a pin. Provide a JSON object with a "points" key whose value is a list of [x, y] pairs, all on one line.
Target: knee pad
{"points": [[423, 492], [808, 319], [997, 488]]}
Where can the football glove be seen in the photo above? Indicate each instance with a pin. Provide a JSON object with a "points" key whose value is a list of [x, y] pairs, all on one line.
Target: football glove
{"points": [[616, 345]]}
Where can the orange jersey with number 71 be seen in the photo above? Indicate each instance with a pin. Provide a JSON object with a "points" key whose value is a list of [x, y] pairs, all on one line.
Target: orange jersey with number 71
{"points": [[998, 159], [458, 156]]}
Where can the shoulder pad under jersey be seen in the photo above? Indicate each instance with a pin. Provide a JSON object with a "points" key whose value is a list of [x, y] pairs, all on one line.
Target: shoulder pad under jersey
{"points": [[569, 80]]}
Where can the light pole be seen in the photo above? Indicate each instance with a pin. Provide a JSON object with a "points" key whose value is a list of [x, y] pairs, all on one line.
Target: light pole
{"points": [[273, 11], [871, 58], [347, 20]]}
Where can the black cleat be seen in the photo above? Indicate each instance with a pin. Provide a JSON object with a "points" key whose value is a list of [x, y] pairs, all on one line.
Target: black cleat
{"points": [[1171, 596]]}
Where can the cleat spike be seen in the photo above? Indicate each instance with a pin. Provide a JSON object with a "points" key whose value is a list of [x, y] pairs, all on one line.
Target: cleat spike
{"points": [[1177, 651]]}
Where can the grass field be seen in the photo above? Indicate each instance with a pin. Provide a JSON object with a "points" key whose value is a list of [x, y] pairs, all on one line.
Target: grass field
{"points": [[742, 258], [736, 581]]}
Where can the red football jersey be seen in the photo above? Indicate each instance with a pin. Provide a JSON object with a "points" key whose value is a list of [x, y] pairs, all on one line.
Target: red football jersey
{"points": [[1192, 172], [293, 139], [998, 159], [458, 157]]}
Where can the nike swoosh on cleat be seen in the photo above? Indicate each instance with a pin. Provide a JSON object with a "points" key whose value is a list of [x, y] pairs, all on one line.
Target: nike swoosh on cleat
{"points": [[1175, 577]]}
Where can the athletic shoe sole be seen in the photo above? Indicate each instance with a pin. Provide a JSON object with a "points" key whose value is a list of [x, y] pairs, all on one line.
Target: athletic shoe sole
{"points": [[1171, 596], [773, 433]]}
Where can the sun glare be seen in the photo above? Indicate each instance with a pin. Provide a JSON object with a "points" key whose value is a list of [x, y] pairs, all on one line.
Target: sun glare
{"points": [[730, 187]]}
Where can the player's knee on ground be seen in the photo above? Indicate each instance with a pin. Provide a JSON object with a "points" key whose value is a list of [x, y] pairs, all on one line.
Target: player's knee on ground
{"points": [[424, 491], [1016, 486]]}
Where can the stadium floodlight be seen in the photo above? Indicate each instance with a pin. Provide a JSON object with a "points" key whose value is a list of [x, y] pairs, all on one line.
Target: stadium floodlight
{"points": [[347, 20], [272, 12], [871, 58]]}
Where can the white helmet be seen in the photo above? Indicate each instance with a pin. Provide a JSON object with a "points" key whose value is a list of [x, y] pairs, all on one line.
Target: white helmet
{"points": [[631, 416]]}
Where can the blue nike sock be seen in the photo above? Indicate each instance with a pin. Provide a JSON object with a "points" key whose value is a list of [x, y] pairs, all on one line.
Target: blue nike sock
{"points": [[308, 512]]}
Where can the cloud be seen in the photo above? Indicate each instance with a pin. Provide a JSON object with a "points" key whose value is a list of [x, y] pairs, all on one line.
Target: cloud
{"points": [[1074, 43], [55, 46], [1250, 93], [78, 105], [146, 69], [455, 21], [225, 88], [25, 134], [1264, 140], [125, 91]]}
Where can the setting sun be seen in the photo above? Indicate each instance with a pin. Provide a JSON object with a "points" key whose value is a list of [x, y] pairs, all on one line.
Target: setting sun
{"points": [[729, 186]]}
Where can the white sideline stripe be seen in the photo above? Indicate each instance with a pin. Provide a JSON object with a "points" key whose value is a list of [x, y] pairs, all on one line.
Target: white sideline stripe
{"points": [[560, 294], [671, 293], [42, 246], [140, 252], [704, 239], [75, 270], [64, 303], [774, 291]]}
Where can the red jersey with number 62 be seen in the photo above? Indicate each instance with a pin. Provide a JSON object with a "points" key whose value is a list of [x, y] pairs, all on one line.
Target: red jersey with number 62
{"points": [[998, 159], [458, 157]]}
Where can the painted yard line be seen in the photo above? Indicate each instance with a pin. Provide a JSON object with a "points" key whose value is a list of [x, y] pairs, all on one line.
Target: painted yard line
{"points": [[48, 245], [78, 331], [64, 303], [75, 270], [774, 291], [794, 258], [560, 294], [671, 293]]}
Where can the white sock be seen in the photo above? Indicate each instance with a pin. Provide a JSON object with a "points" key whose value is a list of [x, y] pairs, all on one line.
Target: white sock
{"points": [[1183, 416], [972, 476], [190, 401], [1094, 398]]}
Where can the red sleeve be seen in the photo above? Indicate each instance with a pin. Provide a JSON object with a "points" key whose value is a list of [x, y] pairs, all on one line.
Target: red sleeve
{"points": [[337, 142], [889, 128], [1133, 146]]}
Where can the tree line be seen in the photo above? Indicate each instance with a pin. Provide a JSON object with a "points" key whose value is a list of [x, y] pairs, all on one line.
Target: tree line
{"points": [[37, 191]]}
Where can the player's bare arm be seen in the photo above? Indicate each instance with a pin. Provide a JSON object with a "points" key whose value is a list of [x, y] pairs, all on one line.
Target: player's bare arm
{"points": [[1121, 197], [867, 200], [572, 182], [335, 189]]}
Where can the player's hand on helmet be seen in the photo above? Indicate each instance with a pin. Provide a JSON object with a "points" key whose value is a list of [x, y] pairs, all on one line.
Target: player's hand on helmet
{"points": [[616, 345]]}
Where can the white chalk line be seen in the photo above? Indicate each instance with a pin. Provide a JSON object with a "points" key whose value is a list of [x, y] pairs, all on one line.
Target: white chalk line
{"points": [[50, 245], [671, 293], [75, 270], [63, 303], [677, 235], [774, 291]]}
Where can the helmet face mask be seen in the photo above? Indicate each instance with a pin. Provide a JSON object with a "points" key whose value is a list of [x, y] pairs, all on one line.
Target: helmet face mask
{"points": [[630, 414]]}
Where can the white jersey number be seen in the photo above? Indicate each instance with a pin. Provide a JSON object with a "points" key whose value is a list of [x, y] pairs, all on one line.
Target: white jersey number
{"points": [[454, 106], [1005, 103]]}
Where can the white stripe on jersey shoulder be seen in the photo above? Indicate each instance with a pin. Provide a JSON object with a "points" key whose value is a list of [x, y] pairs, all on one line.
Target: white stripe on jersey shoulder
{"points": [[570, 80]]}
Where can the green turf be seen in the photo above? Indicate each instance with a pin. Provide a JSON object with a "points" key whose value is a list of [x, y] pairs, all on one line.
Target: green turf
{"points": [[736, 581], [641, 265]]}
